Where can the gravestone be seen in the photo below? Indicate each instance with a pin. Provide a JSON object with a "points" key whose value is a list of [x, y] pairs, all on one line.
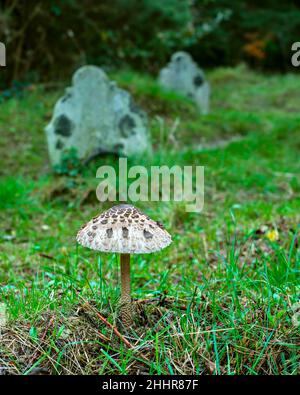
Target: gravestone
{"points": [[183, 75], [95, 116]]}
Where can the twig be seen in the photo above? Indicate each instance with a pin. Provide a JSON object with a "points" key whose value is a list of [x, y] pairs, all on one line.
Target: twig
{"points": [[112, 327], [104, 320], [46, 256]]}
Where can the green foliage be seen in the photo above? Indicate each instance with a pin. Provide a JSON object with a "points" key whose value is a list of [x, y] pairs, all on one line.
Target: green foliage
{"points": [[142, 34], [70, 164], [107, 33], [260, 33]]}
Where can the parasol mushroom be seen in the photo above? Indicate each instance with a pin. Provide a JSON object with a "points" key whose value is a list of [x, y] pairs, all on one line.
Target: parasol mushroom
{"points": [[124, 229]]}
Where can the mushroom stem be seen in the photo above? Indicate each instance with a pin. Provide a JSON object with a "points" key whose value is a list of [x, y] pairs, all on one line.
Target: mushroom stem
{"points": [[125, 301]]}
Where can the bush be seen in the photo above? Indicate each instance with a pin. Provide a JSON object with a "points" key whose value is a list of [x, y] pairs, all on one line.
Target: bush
{"points": [[49, 39], [256, 32]]}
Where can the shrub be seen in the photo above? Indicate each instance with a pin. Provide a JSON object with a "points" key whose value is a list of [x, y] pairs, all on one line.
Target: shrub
{"points": [[49, 39]]}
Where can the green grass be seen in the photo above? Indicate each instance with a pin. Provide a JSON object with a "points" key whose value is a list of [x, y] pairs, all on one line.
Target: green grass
{"points": [[222, 294]]}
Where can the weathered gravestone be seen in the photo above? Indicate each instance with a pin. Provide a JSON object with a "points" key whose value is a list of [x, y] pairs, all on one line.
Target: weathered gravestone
{"points": [[183, 75], [95, 116]]}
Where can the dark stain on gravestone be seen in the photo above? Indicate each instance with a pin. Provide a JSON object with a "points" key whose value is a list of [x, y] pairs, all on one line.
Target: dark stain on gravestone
{"points": [[66, 97], [63, 126], [59, 144], [198, 80], [118, 148], [134, 107], [127, 125]]}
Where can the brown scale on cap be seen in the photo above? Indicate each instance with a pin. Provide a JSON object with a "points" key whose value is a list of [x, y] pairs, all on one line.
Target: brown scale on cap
{"points": [[124, 229]]}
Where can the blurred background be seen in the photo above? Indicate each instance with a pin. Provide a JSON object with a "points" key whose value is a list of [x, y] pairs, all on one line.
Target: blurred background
{"points": [[50, 39]]}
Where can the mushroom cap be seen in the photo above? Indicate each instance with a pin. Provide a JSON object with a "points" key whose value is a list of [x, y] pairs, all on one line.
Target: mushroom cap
{"points": [[124, 229]]}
